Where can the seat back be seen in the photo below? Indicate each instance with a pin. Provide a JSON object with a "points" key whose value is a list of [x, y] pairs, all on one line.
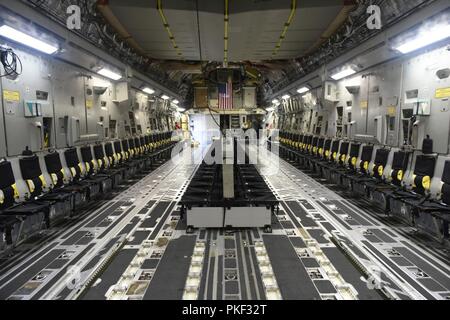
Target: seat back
{"points": [[32, 174], [109, 152], [127, 148], [308, 140], [427, 145], [399, 166], [343, 152], [445, 190], [299, 141], [315, 141], [8, 189], [366, 158], [334, 150], [73, 162], [88, 160], [132, 146], [143, 144], [118, 151], [319, 149], [326, 149], [55, 169], [353, 155], [423, 173], [381, 158], [304, 142], [100, 157]]}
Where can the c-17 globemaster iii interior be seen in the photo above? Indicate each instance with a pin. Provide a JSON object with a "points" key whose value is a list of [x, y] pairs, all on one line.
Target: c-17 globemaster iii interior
{"points": [[224, 150]]}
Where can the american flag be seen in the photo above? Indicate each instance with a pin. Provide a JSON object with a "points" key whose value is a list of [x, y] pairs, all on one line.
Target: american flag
{"points": [[226, 95]]}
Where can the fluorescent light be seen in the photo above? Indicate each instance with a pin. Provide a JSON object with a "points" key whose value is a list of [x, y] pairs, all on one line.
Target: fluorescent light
{"points": [[343, 74], [275, 101], [270, 109], [148, 90], [164, 97], [181, 109], [18, 36], [303, 90], [425, 38], [285, 97], [109, 74], [175, 102]]}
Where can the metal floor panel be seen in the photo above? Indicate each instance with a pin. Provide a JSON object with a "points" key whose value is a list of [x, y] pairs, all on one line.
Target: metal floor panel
{"points": [[292, 277], [170, 277], [111, 275]]}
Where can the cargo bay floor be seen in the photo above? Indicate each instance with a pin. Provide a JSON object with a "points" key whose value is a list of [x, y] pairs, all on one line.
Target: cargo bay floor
{"points": [[134, 246]]}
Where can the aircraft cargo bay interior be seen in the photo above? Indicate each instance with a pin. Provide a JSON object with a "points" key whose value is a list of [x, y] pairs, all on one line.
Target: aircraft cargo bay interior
{"points": [[214, 150]]}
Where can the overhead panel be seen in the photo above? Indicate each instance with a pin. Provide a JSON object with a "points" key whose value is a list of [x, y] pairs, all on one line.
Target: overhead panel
{"points": [[254, 27]]}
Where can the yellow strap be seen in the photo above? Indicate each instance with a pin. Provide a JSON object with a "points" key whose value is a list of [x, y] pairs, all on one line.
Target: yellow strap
{"points": [[16, 191], [343, 158], [44, 184], [366, 165], [400, 175], [88, 167], [426, 182], [30, 184], [81, 167], [54, 178], [380, 170], [100, 162], [354, 161], [94, 164], [73, 171], [334, 155], [2, 197], [63, 173]]}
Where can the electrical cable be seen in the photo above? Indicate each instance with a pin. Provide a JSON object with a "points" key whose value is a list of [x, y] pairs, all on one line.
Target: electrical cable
{"points": [[11, 63]]}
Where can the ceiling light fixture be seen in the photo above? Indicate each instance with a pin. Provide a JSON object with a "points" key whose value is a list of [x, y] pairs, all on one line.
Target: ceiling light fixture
{"points": [[303, 90], [286, 97], [343, 74], [25, 39], [175, 101], [109, 74], [276, 101], [425, 38], [148, 90], [164, 97]]}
